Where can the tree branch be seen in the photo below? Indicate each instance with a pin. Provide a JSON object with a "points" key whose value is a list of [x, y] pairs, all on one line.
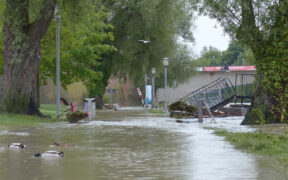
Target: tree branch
{"points": [[40, 26], [248, 30], [17, 14]]}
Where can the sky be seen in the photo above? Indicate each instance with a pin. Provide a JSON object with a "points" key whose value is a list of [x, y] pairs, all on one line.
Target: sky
{"points": [[208, 32]]}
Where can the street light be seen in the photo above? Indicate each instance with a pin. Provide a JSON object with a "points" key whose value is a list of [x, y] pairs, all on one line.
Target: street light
{"points": [[144, 41], [153, 87], [58, 83], [145, 82], [165, 63]]}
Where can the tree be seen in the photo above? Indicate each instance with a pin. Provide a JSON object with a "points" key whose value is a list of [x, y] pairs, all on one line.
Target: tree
{"points": [[159, 21], [83, 45], [22, 54], [179, 70], [209, 57], [232, 54], [262, 26], [25, 24], [235, 55]]}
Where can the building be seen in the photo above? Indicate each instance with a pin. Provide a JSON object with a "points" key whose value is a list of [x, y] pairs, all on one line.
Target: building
{"points": [[204, 76]]}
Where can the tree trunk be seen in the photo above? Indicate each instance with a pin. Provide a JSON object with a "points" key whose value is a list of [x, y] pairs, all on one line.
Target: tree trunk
{"points": [[22, 55], [261, 106], [20, 80], [249, 33]]}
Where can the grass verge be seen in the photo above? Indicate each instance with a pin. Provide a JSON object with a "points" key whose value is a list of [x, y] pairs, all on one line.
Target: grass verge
{"points": [[25, 120], [50, 109], [156, 111], [20, 120], [274, 146]]}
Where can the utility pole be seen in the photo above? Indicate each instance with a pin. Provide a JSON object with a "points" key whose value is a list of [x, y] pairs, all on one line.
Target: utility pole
{"points": [[165, 63], [145, 81], [58, 83]]}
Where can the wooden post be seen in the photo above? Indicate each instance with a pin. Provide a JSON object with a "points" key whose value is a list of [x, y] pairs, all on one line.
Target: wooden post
{"points": [[200, 113]]}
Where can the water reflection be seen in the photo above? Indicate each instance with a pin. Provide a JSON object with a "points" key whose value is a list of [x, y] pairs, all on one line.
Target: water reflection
{"points": [[13, 133], [125, 145]]}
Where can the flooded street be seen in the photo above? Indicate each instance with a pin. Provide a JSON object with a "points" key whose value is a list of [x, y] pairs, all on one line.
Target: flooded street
{"points": [[132, 145]]}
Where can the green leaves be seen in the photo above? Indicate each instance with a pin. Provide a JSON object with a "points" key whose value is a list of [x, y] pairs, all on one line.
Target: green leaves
{"points": [[159, 21], [236, 54], [83, 46]]}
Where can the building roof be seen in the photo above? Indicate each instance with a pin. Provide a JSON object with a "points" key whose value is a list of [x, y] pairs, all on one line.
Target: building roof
{"points": [[230, 68]]}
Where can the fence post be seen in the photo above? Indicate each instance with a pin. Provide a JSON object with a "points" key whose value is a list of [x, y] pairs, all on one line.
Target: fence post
{"points": [[200, 112]]}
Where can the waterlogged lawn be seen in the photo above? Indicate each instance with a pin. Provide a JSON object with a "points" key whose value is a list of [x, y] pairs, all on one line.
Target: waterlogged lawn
{"points": [[20, 120], [157, 111], [50, 109], [262, 143], [25, 120]]}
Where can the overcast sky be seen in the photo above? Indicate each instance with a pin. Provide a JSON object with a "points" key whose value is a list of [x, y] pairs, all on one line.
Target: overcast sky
{"points": [[208, 33]]}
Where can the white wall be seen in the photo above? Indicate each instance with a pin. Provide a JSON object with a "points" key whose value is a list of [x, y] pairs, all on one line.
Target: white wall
{"points": [[194, 83]]}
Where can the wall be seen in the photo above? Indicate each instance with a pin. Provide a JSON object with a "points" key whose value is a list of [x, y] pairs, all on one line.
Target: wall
{"points": [[74, 93], [125, 94]]}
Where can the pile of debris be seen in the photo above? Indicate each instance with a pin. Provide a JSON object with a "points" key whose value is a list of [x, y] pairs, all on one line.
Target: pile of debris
{"points": [[181, 109]]}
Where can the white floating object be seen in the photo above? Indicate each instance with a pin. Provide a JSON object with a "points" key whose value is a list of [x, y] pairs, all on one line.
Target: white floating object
{"points": [[16, 145], [51, 153]]}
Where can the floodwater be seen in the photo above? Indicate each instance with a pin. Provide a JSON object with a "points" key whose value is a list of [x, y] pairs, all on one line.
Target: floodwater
{"points": [[132, 145]]}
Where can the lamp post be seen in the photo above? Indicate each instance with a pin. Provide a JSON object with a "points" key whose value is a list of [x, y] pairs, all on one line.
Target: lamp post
{"points": [[145, 81], [165, 63], [153, 87], [58, 83]]}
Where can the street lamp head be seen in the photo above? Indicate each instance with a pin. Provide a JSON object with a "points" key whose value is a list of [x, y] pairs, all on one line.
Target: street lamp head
{"points": [[144, 41], [153, 71], [57, 12], [165, 62]]}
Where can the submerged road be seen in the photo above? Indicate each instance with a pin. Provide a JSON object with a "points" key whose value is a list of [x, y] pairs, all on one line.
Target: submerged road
{"points": [[132, 145]]}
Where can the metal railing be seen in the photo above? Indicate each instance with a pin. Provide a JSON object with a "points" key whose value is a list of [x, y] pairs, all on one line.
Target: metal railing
{"points": [[212, 94], [221, 91]]}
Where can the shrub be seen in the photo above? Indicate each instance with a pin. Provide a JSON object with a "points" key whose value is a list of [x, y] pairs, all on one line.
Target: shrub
{"points": [[76, 116]]}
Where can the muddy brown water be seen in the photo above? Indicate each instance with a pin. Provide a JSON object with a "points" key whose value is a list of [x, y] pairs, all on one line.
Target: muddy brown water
{"points": [[132, 145]]}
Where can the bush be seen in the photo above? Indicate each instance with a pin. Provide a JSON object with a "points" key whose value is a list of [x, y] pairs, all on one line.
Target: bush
{"points": [[76, 116]]}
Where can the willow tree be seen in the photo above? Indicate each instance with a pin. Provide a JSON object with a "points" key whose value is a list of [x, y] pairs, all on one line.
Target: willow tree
{"points": [[162, 22], [262, 25]]}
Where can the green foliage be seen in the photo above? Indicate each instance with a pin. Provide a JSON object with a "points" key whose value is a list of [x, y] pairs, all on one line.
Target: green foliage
{"points": [[105, 99], [76, 116], [84, 41], [83, 46], [236, 54], [87, 41], [258, 116], [265, 144], [209, 57], [159, 21], [179, 70]]}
